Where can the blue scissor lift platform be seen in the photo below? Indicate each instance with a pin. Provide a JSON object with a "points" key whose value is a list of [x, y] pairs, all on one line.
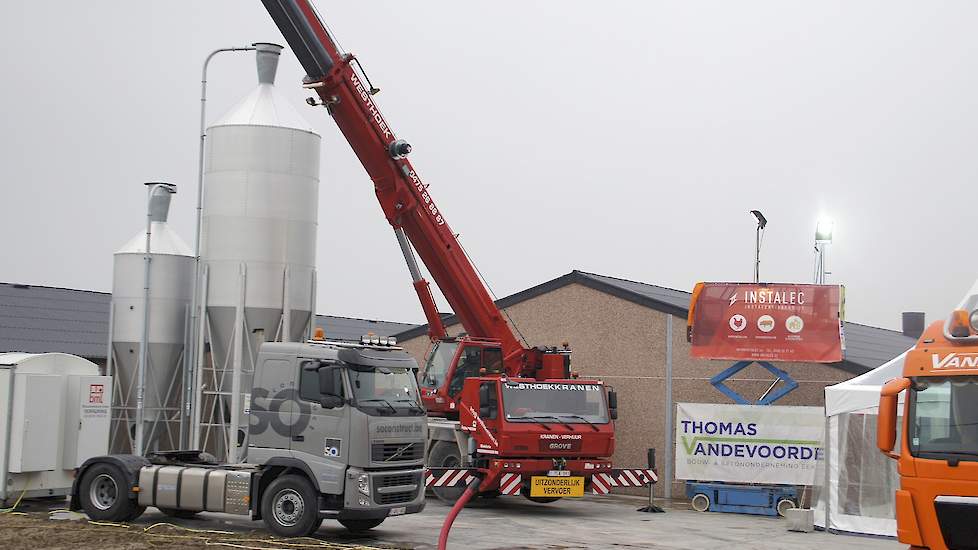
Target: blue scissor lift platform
{"points": [[764, 500]]}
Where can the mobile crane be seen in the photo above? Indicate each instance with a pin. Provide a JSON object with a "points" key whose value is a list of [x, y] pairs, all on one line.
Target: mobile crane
{"points": [[504, 411], [937, 451]]}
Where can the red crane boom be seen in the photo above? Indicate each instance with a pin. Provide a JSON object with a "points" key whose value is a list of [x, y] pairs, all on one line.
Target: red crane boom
{"points": [[404, 198]]}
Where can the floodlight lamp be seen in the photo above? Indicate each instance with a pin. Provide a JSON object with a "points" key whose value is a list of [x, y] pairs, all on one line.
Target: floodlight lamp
{"points": [[761, 220], [823, 231]]}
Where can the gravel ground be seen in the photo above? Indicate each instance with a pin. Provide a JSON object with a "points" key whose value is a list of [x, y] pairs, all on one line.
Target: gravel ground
{"points": [[33, 529]]}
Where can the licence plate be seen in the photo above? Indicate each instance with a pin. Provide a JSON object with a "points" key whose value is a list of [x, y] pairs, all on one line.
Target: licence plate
{"points": [[548, 486], [399, 511]]}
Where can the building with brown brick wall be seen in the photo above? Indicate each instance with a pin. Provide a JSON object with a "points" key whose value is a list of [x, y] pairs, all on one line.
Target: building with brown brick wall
{"points": [[618, 331]]}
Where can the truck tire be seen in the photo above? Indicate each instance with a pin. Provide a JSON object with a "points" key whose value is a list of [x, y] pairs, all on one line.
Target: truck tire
{"points": [[290, 507], [104, 495], [446, 455], [360, 525]]}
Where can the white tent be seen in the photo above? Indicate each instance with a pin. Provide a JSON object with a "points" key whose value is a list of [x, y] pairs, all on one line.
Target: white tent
{"points": [[855, 483]]}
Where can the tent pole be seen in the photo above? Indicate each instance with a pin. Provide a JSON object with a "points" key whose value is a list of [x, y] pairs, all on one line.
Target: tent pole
{"points": [[828, 476]]}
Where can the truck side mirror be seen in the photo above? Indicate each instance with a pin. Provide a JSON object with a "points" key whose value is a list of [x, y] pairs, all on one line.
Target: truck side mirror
{"points": [[886, 421], [613, 404]]}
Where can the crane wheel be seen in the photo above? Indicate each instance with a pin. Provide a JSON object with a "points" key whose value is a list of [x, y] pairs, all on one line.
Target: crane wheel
{"points": [[446, 455], [784, 505]]}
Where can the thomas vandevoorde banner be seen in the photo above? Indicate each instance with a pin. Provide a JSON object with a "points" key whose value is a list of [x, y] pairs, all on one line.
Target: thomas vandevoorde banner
{"points": [[767, 322], [748, 443]]}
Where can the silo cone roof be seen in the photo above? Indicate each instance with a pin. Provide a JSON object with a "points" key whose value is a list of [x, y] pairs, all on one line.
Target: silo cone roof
{"points": [[164, 240], [264, 106]]}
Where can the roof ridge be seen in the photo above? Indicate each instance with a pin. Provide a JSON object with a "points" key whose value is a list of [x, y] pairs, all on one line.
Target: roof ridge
{"points": [[23, 285], [631, 281], [365, 319], [874, 327]]}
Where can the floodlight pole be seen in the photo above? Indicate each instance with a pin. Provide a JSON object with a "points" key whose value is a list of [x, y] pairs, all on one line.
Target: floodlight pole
{"points": [[761, 224], [757, 254], [823, 237], [152, 188], [191, 346]]}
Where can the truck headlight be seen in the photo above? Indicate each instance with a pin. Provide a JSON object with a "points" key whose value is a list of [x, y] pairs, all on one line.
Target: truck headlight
{"points": [[363, 484]]}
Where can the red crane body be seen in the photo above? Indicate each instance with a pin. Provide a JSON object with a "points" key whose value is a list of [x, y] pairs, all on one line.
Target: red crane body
{"points": [[497, 396]]}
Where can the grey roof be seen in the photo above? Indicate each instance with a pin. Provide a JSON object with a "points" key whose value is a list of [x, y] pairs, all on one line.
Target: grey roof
{"points": [[866, 347], [40, 319], [351, 328]]}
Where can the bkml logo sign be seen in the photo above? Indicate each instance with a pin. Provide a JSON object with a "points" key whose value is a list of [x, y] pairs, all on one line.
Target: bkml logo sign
{"points": [[955, 361], [96, 394]]}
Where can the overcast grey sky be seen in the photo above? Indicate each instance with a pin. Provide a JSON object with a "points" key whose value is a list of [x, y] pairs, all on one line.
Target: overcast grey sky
{"points": [[627, 139]]}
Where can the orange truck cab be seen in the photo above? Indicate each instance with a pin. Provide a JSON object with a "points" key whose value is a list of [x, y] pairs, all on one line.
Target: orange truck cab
{"points": [[937, 447]]}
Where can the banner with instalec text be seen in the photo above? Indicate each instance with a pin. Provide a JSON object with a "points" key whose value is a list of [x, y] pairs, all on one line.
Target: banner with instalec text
{"points": [[748, 443], [767, 322]]}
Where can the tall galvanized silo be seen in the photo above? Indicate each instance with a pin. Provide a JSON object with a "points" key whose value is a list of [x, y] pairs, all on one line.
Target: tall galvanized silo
{"points": [[171, 288], [258, 250]]}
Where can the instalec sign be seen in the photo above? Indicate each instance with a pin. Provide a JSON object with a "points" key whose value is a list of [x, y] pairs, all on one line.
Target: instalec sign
{"points": [[748, 443], [767, 322]]}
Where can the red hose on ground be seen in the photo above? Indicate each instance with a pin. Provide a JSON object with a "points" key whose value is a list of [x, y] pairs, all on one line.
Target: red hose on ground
{"points": [[470, 492]]}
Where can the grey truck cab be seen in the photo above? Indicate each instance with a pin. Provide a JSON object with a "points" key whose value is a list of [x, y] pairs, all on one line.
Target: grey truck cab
{"points": [[336, 430]]}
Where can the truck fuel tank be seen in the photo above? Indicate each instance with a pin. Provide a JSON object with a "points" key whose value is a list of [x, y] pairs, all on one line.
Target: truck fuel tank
{"points": [[195, 489]]}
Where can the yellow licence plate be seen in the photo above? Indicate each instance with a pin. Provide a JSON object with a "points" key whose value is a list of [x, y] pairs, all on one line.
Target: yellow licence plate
{"points": [[547, 486]]}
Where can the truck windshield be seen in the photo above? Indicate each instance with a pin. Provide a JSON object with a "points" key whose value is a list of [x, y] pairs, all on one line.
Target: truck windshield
{"points": [[944, 418], [563, 403], [385, 391], [436, 368]]}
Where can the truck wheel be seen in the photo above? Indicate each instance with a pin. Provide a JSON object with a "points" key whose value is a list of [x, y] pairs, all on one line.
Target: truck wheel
{"points": [[360, 525], [446, 455], [104, 495], [290, 507], [178, 514]]}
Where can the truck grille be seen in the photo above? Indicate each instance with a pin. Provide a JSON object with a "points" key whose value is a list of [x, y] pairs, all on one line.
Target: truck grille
{"points": [[397, 479], [397, 452], [410, 481], [396, 498]]}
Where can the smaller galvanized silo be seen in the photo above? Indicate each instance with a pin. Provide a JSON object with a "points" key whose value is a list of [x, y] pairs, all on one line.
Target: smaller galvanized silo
{"points": [[171, 288]]}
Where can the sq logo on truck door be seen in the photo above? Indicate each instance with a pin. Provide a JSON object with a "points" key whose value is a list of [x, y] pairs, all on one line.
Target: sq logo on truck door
{"points": [[332, 447]]}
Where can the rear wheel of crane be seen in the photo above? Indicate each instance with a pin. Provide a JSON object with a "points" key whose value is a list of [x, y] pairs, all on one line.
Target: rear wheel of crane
{"points": [[104, 495], [700, 502], [360, 525], [784, 505], [446, 455], [290, 507]]}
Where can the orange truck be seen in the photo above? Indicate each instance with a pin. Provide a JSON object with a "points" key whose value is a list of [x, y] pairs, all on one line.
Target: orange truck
{"points": [[935, 442]]}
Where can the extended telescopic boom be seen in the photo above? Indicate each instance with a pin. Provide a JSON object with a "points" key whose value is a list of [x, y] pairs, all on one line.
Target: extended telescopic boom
{"points": [[405, 200]]}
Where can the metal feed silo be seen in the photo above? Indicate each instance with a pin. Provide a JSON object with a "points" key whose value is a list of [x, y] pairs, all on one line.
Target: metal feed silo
{"points": [[171, 287], [258, 250]]}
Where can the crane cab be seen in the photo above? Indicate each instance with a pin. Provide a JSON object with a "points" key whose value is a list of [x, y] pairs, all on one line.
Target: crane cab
{"points": [[449, 363]]}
